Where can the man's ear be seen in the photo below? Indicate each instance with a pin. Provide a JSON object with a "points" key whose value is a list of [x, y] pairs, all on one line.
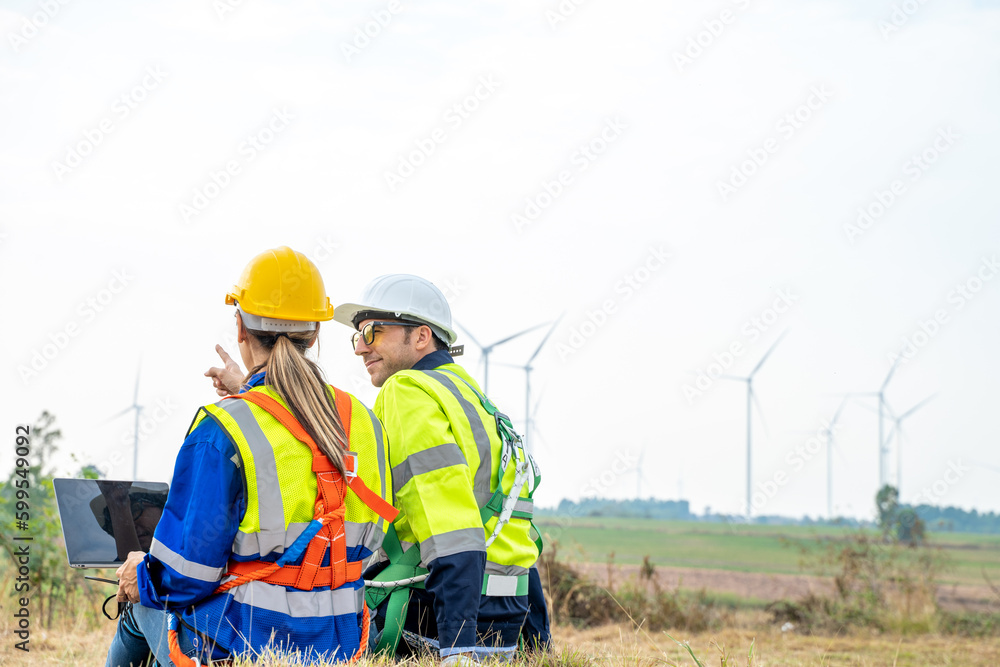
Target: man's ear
{"points": [[425, 337]]}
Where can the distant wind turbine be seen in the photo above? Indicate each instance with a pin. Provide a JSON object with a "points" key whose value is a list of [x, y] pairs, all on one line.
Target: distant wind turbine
{"points": [[527, 368], [898, 432], [829, 457], [487, 349], [752, 400], [883, 477], [138, 408]]}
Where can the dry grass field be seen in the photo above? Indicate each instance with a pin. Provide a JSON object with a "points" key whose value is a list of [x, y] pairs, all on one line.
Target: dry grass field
{"points": [[622, 645]]}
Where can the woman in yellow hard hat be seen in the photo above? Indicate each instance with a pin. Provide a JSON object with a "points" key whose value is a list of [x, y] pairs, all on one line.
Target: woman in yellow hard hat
{"points": [[279, 492]]}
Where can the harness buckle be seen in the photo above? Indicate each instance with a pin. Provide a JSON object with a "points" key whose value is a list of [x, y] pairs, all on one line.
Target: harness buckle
{"points": [[350, 464]]}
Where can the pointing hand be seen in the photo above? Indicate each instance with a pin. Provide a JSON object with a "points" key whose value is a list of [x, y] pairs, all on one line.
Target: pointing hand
{"points": [[226, 380]]}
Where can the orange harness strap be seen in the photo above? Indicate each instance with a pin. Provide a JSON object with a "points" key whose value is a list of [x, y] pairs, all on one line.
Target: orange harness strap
{"points": [[288, 575], [329, 508], [320, 461]]}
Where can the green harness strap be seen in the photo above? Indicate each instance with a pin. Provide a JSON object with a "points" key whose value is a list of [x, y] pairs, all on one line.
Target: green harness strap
{"points": [[505, 429], [402, 565]]}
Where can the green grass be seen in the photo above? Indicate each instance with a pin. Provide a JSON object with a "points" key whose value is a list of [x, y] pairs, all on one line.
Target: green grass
{"points": [[738, 547]]}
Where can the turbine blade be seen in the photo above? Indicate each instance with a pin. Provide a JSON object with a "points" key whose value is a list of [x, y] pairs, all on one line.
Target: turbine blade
{"points": [[836, 415], [517, 335], [768, 353], [916, 407], [892, 370], [469, 334], [545, 340], [760, 411], [135, 394], [118, 414]]}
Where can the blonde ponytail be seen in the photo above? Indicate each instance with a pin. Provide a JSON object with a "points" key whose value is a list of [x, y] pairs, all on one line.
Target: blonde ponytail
{"points": [[299, 382]]}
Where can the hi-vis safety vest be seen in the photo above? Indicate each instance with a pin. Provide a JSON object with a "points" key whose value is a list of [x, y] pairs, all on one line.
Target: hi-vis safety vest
{"points": [[298, 503], [462, 481]]}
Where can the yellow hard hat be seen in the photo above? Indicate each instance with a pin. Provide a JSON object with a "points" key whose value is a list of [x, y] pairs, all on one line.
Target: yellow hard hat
{"points": [[282, 284]]}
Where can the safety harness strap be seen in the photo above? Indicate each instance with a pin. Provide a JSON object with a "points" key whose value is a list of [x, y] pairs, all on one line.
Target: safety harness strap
{"points": [[289, 574], [403, 565]]}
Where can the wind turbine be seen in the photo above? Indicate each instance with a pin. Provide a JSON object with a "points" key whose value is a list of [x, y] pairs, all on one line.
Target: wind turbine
{"points": [[751, 398], [138, 408], [898, 432], [882, 405], [829, 457], [487, 349], [527, 368]]}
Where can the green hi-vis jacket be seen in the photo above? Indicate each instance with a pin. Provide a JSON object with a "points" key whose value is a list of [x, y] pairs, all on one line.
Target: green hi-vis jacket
{"points": [[445, 455]]}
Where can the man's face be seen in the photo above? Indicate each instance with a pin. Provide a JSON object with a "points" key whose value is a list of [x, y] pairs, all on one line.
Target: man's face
{"points": [[389, 353]]}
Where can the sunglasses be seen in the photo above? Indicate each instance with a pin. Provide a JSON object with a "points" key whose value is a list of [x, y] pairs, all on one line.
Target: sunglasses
{"points": [[367, 332]]}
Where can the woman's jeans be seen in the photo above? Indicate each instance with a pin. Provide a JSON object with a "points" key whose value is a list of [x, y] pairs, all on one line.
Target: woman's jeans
{"points": [[143, 631]]}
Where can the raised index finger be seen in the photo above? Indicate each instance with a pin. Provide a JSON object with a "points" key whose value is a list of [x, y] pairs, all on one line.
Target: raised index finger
{"points": [[226, 359]]}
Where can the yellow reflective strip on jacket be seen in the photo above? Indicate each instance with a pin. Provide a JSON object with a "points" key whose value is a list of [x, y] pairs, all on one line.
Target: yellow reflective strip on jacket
{"points": [[424, 413]]}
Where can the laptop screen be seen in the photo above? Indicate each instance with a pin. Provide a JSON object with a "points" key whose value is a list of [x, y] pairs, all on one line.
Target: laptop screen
{"points": [[103, 520]]}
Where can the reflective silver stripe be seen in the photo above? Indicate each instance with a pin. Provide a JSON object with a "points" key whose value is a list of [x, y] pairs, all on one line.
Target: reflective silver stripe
{"points": [[505, 570], [483, 472], [299, 604], [426, 460], [270, 508], [456, 541], [380, 451], [501, 586], [247, 544], [188, 568], [365, 534]]}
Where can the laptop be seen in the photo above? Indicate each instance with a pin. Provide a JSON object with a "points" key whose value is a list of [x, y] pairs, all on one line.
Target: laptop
{"points": [[103, 520]]}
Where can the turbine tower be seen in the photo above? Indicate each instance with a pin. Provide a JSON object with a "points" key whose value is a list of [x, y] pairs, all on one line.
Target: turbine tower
{"points": [[487, 349], [752, 399], [138, 408], [898, 432], [527, 368], [883, 449], [829, 457]]}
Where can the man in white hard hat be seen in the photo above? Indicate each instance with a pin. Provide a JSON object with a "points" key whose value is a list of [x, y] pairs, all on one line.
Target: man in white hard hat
{"points": [[454, 465]]}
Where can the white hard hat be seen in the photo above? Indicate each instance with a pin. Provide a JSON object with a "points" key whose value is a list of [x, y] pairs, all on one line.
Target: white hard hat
{"points": [[404, 297]]}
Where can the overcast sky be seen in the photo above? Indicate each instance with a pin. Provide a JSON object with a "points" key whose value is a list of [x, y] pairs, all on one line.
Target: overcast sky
{"points": [[683, 182]]}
